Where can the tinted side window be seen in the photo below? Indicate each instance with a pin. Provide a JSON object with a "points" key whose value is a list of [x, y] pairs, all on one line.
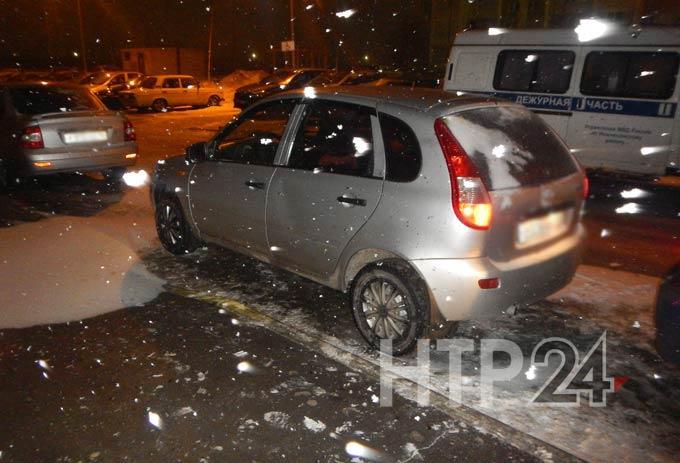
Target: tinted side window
{"points": [[171, 83], [630, 74], [255, 136], [539, 71], [402, 151], [335, 138]]}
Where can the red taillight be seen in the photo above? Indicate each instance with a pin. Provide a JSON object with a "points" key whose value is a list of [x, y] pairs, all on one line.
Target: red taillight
{"points": [[31, 138], [489, 283], [471, 201], [586, 186], [129, 131]]}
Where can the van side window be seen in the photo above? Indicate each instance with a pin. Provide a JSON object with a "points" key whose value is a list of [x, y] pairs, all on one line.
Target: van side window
{"points": [[540, 71], [335, 138], [402, 151], [630, 74]]}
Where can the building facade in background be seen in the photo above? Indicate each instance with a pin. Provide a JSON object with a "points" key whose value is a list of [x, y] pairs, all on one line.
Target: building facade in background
{"points": [[449, 17], [167, 60]]}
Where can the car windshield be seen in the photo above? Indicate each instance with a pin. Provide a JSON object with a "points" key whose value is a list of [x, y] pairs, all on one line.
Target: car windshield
{"points": [[279, 77], [148, 82], [43, 100], [327, 78], [96, 78], [357, 79]]}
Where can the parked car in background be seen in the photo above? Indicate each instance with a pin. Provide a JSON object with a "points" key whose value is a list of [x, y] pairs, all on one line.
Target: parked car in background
{"points": [[30, 75], [403, 81], [612, 97], [50, 128], [278, 82], [72, 75], [668, 317], [6, 73], [106, 85], [425, 207], [338, 77], [164, 91]]}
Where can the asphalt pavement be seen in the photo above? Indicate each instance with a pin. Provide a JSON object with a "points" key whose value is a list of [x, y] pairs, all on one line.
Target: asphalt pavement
{"points": [[181, 380]]}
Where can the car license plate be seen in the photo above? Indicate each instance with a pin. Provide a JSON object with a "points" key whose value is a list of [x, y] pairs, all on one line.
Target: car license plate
{"points": [[86, 136], [540, 229]]}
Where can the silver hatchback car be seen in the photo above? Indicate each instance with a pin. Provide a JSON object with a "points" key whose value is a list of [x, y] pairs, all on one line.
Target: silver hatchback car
{"points": [[47, 128], [426, 207]]}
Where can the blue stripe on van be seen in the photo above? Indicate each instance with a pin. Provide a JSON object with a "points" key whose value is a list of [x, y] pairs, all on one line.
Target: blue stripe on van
{"points": [[590, 105]]}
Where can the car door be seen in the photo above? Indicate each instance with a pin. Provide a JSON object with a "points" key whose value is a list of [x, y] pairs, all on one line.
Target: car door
{"points": [[228, 191], [171, 90], [330, 186], [190, 92]]}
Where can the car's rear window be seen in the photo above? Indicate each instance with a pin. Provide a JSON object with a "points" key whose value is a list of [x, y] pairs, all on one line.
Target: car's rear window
{"points": [[511, 146], [42, 100]]}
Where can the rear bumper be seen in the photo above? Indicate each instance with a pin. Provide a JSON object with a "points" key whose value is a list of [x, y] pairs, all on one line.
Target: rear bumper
{"points": [[455, 291], [83, 160]]}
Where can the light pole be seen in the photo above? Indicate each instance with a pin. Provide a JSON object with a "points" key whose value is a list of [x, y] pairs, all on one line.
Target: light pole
{"points": [[292, 33], [210, 39], [82, 36]]}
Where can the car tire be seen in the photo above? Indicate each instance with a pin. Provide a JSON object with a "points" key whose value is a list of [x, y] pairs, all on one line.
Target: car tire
{"points": [[160, 105], [390, 301], [214, 100], [114, 174], [173, 230]]}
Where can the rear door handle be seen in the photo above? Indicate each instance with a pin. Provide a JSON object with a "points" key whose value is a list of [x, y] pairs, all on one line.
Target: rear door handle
{"points": [[253, 185], [351, 201]]}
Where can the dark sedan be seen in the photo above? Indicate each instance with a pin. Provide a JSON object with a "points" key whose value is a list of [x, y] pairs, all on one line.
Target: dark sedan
{"points": [[278, 82]]}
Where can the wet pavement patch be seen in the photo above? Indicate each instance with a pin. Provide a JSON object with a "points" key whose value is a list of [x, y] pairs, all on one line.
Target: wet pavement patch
{"points": [[181, 380]]}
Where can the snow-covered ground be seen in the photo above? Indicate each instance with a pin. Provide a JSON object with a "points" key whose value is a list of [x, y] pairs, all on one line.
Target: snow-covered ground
{"points": [[66, 268]]}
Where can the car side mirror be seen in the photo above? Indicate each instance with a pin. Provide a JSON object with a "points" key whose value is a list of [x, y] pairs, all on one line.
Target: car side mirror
{"points": [[198, 152]]}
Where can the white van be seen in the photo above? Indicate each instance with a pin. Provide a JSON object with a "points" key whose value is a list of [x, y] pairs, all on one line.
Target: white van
{"points": [[613, 99]]}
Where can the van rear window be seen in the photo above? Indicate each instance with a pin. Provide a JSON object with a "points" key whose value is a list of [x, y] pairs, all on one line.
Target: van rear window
{"points": [[511, 147], [540, 71], [630, 74]]}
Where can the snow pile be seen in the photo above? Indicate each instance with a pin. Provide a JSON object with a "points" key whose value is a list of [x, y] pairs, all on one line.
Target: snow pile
{"points": [[68, 268]]}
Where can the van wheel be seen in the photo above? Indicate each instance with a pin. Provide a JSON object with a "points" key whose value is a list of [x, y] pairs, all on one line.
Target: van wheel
{"points": [[214, 100], [173, 230], [390, 301], [160, 105]]}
